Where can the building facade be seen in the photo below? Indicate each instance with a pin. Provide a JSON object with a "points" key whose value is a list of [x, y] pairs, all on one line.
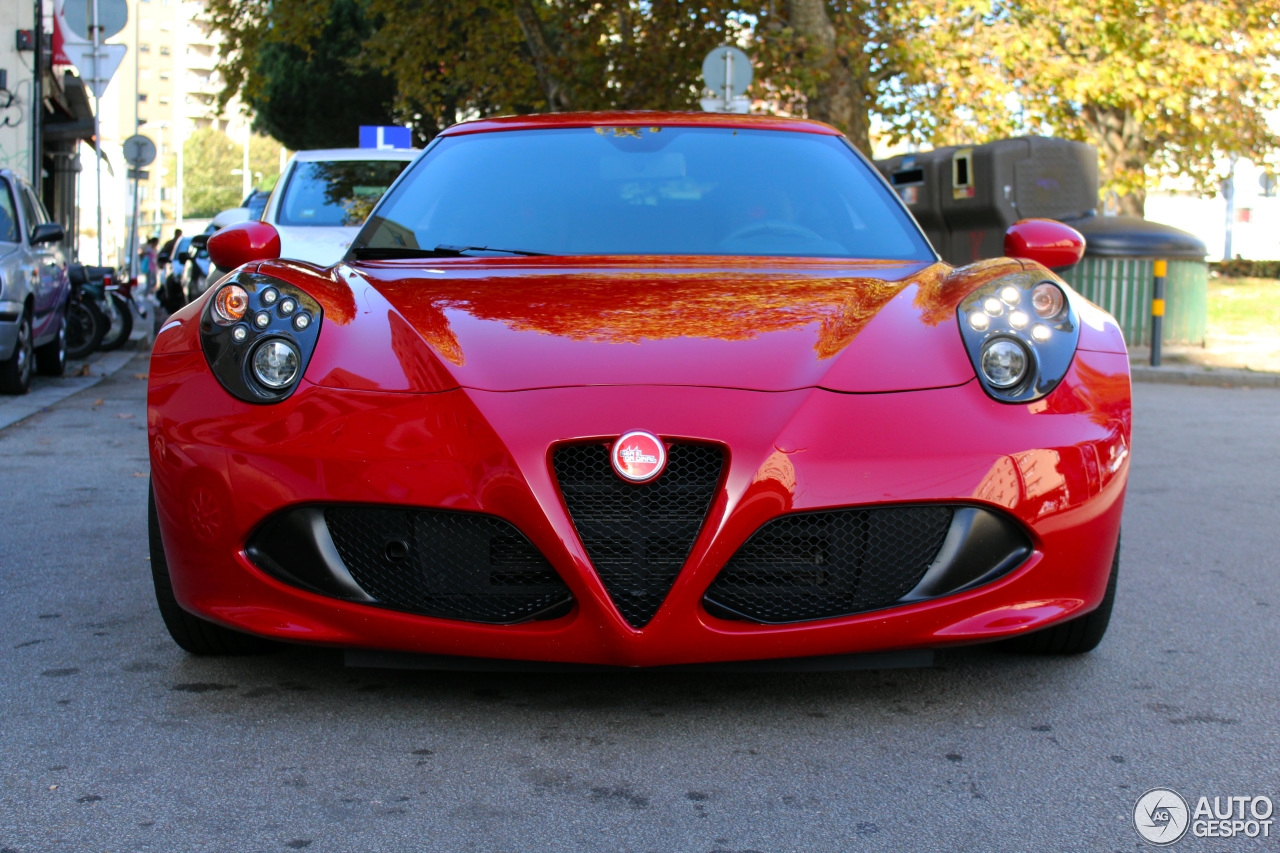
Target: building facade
{"points": [[44, 113]]}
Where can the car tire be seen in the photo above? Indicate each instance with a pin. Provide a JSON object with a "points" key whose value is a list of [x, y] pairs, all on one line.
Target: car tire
{"points": [[120, 320], [1077, 636], [15, 371], [51, 357], [85, 327], [195, 635]]}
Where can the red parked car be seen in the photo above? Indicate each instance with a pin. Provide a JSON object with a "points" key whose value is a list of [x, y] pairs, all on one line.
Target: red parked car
{"points": [[639, 390]]}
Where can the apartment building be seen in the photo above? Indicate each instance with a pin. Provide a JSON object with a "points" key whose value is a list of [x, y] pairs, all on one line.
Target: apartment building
{"points": [[44, 113], [166, 89]]}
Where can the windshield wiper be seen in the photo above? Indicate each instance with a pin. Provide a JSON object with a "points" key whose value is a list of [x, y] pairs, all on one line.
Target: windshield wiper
{"points": [[382, 253]]}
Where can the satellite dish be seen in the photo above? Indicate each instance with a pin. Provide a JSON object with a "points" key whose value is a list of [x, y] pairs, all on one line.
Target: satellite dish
{"points": [[727, 72], [112, 16]]}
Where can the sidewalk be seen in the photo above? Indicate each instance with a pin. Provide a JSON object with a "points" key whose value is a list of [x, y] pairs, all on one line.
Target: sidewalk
{"points": [[1224, 361]]}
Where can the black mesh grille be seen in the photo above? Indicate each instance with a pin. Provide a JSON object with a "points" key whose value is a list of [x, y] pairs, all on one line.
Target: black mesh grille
{"points": [[638, 536], [455, 565], [817, 565]]}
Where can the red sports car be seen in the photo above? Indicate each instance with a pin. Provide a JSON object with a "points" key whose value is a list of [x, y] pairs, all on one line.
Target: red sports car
{"points": [[639, 390]]}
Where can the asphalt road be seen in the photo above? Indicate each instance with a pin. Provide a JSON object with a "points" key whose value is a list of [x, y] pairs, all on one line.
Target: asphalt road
{"points": [[114, 740]]}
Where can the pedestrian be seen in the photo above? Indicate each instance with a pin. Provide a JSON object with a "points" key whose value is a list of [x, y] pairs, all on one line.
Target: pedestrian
{"points": [[149, 263], [166, 251]]}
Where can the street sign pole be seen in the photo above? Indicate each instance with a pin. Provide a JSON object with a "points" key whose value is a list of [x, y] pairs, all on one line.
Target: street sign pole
{"points": [[95, 31], [139, 151]]}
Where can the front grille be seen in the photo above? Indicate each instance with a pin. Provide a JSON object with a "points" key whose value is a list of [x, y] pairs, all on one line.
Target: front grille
{"points": [[819, 565], [638, 536], [455, 565]]}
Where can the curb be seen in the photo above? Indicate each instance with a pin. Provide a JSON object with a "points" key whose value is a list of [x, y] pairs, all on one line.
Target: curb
{"points": [[1207, 376], [49, 391]]}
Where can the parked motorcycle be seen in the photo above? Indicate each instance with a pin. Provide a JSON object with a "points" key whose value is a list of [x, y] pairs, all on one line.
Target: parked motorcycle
{"points": [[113, 293], [86, 324]]}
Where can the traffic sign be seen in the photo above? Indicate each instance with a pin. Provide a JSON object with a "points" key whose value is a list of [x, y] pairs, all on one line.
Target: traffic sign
{"points": [[727, 72], [139, 151], [388, 136], [112, 16], [109, 58]]}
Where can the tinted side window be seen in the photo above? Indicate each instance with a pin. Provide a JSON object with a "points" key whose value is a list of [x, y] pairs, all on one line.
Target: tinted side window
{"points": [[42, 215], [29, 209], [8, 216]]}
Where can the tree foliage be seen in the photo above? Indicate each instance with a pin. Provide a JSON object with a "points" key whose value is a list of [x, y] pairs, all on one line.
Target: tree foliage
{"points": [[450, 59], [294, 63], [209, 185], [1158, 85], [211, 164]]}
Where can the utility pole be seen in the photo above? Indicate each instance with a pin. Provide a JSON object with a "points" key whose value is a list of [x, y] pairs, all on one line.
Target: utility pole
{"points": [[1229, 190], [137, 77], [37, 102], [95, 30]]}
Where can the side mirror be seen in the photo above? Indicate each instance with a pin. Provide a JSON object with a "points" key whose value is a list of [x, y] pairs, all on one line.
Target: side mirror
{"points": [[1045, 241], [243, 244], [49, 232], [184, 256], [199, 242]]}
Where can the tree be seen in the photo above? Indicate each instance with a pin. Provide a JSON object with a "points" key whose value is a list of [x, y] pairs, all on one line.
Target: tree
{"points": [[209, 184], [1159, 86], [294, 64], [446, 59], [264, 161]]}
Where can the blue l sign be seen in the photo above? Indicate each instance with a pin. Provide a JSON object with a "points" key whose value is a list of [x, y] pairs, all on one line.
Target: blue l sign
{"points": [[373, 136]]}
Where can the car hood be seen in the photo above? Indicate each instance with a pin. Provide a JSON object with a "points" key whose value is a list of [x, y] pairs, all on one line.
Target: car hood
{"points": [[7, 249], [509, 325], [321, 245]]}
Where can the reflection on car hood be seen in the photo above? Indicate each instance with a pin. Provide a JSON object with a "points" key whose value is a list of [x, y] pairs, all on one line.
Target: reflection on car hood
{"points": [[321, 245], [758, 324], [7, 249]]}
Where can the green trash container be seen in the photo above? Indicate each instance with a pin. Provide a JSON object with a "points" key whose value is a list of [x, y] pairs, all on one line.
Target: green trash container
{"points": [[1117, 274]]}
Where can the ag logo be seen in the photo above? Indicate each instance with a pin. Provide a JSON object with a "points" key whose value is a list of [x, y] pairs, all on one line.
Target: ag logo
{"points": [[638, 456], [1161, 816]]}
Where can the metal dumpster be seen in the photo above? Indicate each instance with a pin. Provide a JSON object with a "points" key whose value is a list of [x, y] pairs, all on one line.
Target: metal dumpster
{"points": [[1117, 273]]}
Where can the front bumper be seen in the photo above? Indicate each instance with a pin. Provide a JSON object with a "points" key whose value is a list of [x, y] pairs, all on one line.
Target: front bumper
{"points": [[10, 314], [1057, 467]]}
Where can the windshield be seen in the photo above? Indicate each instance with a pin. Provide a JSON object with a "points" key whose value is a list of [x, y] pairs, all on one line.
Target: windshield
{"points": [[336, 192], [651, 190]]}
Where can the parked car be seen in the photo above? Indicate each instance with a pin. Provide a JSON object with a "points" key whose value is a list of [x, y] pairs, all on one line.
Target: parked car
{"points": [[323, 197], [256, 203], [33, 287], [640, 389], [172, 296]]}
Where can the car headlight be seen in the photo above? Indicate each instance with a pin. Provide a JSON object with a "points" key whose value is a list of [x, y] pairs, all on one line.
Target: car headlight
{"points": [[258, 333], [1021, 333]]}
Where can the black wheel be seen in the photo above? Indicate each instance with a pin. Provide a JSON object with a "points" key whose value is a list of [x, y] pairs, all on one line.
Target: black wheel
{"points": [[51, 357], [120, 319], [85, 327], [15, 371], [172, 296], [1077, 636], [193, 634]]}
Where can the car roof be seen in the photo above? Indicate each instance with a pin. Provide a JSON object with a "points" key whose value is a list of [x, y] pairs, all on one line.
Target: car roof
{"points": [[325, 154], [639, 118]]}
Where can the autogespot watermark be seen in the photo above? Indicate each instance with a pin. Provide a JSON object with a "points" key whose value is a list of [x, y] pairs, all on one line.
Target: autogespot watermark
{"points": [[1162, 817]]}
